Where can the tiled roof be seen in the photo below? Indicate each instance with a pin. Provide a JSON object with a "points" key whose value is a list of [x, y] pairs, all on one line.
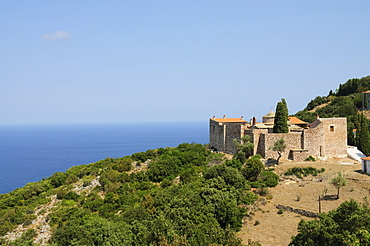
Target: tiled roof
{"points": [[229, 120], [296, 121], [366, 92], [366, 158]]}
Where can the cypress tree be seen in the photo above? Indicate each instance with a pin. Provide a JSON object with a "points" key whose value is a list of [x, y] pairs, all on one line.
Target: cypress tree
{"points": [[363, 135], [281, 118]]}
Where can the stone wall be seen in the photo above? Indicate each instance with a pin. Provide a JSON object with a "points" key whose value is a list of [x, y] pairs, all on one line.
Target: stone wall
{"points": [[292, 141], [233, 131], [217, 135], [335, 137], [256, 135], [222, 135], [366, 101], [325, 137], [313, 139], [298, 155]]}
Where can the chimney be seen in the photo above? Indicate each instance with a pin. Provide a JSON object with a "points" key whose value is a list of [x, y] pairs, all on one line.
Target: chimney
{"points": [[214, 117], [254, 121], [317, 117], [250, 121], [224, 117], [241, 118]]}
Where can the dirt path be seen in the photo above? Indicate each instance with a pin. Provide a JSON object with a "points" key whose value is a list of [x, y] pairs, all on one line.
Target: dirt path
{"points": [[276, 229]]}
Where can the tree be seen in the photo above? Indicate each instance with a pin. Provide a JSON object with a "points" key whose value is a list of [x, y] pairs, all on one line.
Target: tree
{"points": [[338, 182], [252, 168], [281, 118], [244, 148], [279, 147], [363, 135], [349, 224]]}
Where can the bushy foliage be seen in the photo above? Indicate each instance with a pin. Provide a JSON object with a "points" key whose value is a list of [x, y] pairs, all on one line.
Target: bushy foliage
{"points": [[316, 102], [252, 168], [349, 224], [306, 116], [26, 239], [300, 172], [182, 198], [244, 148], [310, 158], [231, 176], [266, 179]]}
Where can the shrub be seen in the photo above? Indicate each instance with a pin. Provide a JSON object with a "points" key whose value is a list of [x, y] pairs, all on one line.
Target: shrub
{"points": [[310, 158], [299, 171], [165, 183], [71, 179], [58, 179], [72, 196], [253, 168], [266, 179]]}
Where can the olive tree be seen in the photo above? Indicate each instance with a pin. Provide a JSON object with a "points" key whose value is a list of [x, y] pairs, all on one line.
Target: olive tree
{"points": [[338, 182], [279, 146]]}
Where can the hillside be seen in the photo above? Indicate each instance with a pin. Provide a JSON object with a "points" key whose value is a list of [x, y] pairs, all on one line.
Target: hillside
{"points": [[275, 228], [186, 195], [346, 101]]}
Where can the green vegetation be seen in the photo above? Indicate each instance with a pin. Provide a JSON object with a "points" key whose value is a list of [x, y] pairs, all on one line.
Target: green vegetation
{"points": [[363, 134], [300, 172], [338, 182], [279, 147], [347, 101], [349, 224], [281, 117], [186, 195], [244, 148], [310, 158], [252, 168]]}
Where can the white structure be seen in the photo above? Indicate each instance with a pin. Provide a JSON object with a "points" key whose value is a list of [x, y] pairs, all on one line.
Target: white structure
{"points": [[366, 164], [354, 153]]}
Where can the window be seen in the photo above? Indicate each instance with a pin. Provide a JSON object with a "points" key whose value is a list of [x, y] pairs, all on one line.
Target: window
{"points": [[332, 128]]}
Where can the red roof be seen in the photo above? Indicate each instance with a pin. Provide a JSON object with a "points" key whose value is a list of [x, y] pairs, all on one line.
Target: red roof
{"points": [[296, 121], [366, 158], [229, 120]]}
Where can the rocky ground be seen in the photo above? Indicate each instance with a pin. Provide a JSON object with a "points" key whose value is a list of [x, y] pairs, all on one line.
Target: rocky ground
{"points": [[40, 224]]}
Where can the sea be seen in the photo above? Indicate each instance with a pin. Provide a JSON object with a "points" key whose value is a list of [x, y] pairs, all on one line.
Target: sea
{"points": [[31, 152]]}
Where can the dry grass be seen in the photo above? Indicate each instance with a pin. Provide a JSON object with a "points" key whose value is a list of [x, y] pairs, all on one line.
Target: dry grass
{"points": [[276, 229]]}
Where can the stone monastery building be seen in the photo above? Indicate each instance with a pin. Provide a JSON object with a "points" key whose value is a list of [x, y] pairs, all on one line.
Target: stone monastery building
{"points": [[326, 137]]}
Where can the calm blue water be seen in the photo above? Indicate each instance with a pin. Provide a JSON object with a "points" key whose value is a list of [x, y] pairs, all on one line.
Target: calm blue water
{"points": [[30, 152]]}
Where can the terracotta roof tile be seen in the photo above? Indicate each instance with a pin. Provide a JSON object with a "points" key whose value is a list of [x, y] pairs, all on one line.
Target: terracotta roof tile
{"points": [[296, 121], [366, 158], [229, 120]]}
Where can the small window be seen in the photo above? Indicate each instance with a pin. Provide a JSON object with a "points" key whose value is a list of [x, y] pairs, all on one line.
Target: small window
{"points": [[331, 128]]}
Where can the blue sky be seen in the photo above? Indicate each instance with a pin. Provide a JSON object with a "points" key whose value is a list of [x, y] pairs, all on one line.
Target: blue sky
{"points": [[132, 61]]}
